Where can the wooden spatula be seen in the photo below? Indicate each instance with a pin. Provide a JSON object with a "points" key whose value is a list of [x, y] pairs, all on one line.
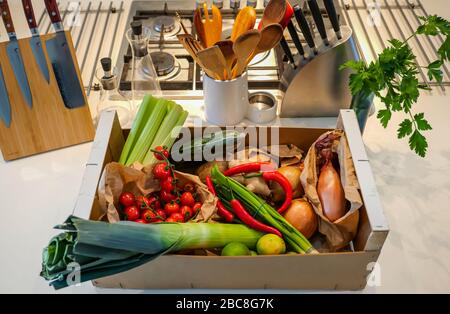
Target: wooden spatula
{"points": [[245, 21], [208, 29], [244, 47], [192, 46], [270, 38], [273, 13], [226, 46], [213, 61]]}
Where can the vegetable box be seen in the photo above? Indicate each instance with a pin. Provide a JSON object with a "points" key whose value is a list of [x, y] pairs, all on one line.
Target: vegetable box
{"points": [[328, 271]]}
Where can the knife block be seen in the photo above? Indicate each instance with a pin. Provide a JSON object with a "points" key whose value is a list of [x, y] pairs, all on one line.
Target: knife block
{"points": [[317, 87], [49, 125]]}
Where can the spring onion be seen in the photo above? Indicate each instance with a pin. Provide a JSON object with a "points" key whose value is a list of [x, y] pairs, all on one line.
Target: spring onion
{"points": [[258, 208], [103, 249]]}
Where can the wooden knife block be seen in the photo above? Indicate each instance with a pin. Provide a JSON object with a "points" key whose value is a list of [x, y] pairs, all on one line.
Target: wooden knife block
{"points": [[49, 125]]}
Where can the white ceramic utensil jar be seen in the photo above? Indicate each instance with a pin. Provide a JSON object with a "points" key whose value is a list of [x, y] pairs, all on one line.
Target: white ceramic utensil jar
{"points": [[226, 102]]}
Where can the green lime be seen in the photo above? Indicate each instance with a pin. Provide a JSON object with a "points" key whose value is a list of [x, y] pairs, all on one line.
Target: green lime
{"points": [[270, 244], [253, 253], [235, 249], [291, 253]]}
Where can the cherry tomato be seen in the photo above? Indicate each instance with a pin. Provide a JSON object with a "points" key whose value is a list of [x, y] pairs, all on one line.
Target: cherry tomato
{"points": [[161, 171], [157, 220], [141, 221], [168, 185], [197, 206], [187, 199], [157, 204], [149, 216], [127, 199], [140, 201], [170, 219], [187, 212], [132, 213], [161, 214], [163, 151], [167, 196], [172, 208], [177, 217]]}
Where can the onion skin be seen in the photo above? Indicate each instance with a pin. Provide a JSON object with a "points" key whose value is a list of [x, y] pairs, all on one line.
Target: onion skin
{"points": [[331, 192], [302, 216], [292, 173]]}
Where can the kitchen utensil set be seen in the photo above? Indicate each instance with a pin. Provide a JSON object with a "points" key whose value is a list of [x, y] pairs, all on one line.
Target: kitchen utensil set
{"points": [[228, 59]]}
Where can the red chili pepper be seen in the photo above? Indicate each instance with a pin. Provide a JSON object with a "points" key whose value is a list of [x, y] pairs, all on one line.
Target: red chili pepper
{"points": [[221, 210], [247, 219], [249, 168], [285, 185]]}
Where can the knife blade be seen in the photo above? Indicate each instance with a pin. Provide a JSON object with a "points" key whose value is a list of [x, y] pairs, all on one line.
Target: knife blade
{"points": [[332, 15], [14, 54], [303, 23], [35, 40], [59, 53], [317, 16], [5, 105]]}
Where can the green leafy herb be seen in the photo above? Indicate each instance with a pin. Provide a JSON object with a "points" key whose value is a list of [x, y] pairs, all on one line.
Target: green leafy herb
{"points": [[393, 78]]}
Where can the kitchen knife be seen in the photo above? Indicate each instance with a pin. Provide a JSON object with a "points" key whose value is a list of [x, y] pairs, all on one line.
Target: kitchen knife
{"points": [[317, 15], [287, 51], [303, 23], [5, 105], [332, 15], [59, 53], [295, 38], [14, 55], [35, 40]]}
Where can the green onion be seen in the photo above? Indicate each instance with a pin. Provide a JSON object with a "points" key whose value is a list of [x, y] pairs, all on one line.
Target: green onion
{"points": [[145, 110], [260, 210], [103, 249], [149, 132]]}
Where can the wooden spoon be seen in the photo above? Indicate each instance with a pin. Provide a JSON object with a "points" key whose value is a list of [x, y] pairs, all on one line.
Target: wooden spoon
{"points": [[209, 30], [192, 46], [213, 61], [244, 47], [270, 38], [226, 46], [245, 21], [273, 13]]}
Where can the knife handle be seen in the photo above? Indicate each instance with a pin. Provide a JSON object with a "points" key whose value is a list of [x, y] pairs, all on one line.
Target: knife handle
{"points": [[29, 13], [303, 23], [295, 38], [317, 15], [53, 11], [287, 50], [6, 16], [332, 15]]}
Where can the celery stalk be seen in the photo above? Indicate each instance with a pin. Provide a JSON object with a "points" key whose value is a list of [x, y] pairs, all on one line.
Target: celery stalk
{"points": [[168, 140], [145, 110], [149, 132]]}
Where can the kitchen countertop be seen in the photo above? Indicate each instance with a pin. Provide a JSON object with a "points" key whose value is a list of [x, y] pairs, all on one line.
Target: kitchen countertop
{"points": [[40, 192]]}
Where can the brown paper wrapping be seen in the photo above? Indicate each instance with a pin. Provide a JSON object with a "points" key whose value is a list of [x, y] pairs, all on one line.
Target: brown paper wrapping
{"points": [[341, 232], [117, 178]]}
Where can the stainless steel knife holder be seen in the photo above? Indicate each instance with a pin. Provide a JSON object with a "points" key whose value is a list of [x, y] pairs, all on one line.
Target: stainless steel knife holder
{"points": [[316, 87]]}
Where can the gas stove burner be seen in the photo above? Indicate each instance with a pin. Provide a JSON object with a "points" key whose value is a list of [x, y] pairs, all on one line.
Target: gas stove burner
{"points": [[168, 22], [164, 62]]}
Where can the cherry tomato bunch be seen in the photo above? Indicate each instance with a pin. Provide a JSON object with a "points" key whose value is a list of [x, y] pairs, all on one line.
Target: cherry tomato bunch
{"points": [[171, 204]]}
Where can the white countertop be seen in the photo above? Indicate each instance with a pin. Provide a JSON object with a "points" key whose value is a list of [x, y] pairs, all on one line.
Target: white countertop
{"points": [[40, 192]]}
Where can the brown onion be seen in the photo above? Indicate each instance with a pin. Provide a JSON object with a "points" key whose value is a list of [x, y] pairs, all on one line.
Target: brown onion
{"points": [[331, 192], [292, 173], [302, 216]]}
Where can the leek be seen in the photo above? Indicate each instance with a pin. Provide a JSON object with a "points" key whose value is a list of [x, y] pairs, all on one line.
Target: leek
{"points": [[260, 210], [102, 249], [145, 110], [149, 132]]}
